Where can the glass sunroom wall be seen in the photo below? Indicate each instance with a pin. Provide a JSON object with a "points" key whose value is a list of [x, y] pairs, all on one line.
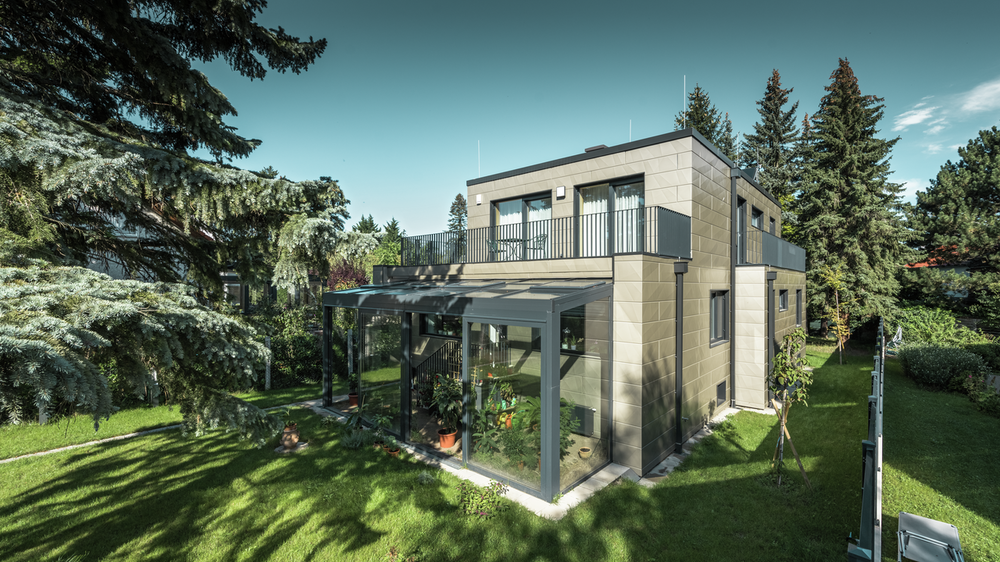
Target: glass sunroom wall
{"points": [[343, 341], [380, 370], [436, 355], [505, 367], [584, 391]]}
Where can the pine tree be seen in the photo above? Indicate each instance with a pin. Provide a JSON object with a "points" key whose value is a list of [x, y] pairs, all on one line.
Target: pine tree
{"points": [[702, 116], [849, 213], [458, 215], [393, 233], [957, 219], [772, 146]]}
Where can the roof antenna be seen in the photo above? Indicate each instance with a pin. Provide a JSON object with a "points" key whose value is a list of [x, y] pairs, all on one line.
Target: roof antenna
{"points": [[479, 160], [684, 104]]}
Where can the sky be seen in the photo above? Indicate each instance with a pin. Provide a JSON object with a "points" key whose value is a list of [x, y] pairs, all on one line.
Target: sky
{"points": [[412, 99]]}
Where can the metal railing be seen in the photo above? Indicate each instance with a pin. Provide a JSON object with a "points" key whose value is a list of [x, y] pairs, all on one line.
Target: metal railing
{"points": [[647, 230], [445, 361], [765, 248], [869, 542]]}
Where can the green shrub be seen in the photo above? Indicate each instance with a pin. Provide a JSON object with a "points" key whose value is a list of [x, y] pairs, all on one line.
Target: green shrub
{"points": [[990, 352], [941, 366], [297, 356], [357, 438], [985, 395], [483, 503], [931, 325]]}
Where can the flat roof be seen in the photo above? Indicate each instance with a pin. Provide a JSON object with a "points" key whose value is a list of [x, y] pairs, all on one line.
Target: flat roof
{"points": [[528, 300], [633, 145]]}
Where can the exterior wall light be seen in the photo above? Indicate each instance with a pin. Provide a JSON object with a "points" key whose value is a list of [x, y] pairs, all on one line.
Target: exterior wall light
{"points": [[561, 192], [479, 199]]}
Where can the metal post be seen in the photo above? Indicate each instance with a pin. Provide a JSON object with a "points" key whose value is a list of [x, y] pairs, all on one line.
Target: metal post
{"points": [[550, 406], [327, 341], [405, 379], [680, 268], [154, 391], [267, 365]]}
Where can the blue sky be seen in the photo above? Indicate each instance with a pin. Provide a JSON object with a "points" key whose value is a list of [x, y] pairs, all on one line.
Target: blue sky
{"points": [[406, 91]]}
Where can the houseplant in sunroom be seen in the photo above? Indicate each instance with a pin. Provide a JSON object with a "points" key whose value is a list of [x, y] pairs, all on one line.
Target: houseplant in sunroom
{"points": [[448, 403]]}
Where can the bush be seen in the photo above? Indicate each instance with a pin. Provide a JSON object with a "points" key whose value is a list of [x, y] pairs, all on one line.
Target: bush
{"points": [[297, 356], [940, 366], [990, 353], [982, 393], [358, 438], [931, 325], [482, 503]]}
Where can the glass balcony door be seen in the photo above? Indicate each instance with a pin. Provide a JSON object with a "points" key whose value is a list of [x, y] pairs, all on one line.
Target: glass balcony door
{"points": [[611, 211], [521, 229]]}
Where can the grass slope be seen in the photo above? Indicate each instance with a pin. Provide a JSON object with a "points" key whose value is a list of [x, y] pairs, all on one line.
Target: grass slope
{"points": [[17, 440]]}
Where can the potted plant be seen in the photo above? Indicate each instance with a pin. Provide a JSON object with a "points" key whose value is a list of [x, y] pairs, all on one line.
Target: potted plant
{"points": [[517, 447], [290, 435], [448, 403], [352, 385], [391, 446]]}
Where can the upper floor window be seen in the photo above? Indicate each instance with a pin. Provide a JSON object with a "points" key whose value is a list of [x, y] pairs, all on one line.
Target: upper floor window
{"points": [[521, 228], [773, 224], [441, 325], [718, 320], [756, 218], [613, 210], [783, 299]]}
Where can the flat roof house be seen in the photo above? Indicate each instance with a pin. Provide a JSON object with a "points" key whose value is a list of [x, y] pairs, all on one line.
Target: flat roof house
{"points": [[599, 308]]}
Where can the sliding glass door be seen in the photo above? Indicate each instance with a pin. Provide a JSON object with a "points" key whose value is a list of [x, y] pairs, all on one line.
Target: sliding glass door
{"points": [[521, 228], [611, 211]]}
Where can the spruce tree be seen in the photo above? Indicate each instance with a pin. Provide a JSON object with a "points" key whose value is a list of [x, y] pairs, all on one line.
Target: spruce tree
{"points": [[707, 120], [849, 213], [772, 145], [458, 214], [366, 225]]}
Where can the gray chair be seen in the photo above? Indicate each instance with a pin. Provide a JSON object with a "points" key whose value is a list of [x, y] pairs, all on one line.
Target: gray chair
{"points": [[926, 540]]}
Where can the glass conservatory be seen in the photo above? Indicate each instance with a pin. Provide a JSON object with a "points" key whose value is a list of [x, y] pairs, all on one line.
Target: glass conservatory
{"points": [[511, 378]]}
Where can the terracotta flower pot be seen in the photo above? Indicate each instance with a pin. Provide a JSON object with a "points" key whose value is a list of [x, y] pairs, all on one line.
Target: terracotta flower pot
{"points": [[353, 398], [290, 436], [585, 452], [393, 452], [448, 437], [510, 421]]}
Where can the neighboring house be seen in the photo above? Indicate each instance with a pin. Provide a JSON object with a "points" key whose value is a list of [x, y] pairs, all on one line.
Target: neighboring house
{"points": [[604, 306]]}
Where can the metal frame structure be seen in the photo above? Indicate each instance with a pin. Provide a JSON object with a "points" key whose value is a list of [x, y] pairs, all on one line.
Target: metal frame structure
{"points": [[537, 304]]}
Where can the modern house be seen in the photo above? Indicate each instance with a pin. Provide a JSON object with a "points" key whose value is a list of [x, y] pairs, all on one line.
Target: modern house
{"points": [[600, 308]]}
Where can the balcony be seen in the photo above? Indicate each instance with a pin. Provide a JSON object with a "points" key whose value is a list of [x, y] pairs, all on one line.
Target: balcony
{"points": [[649, 230], [768, 249]]}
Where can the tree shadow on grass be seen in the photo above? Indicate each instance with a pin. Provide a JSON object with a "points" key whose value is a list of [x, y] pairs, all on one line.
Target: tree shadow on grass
{"points": [[165, 497]]}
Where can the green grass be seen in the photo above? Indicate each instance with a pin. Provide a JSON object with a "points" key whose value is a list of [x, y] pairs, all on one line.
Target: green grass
{"points": [[941, 460], [226, 500], [16, 440]]}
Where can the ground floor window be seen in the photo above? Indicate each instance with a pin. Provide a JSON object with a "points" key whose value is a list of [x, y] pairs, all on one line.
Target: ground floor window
{"points": [[719, 318]]}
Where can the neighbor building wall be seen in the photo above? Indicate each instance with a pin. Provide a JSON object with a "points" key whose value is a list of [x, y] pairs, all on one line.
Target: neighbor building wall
{"points": [[784, 321]]}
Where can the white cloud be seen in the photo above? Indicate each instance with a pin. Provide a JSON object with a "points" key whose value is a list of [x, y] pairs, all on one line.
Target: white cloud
{"points": [[915, 116], [935, 130], [984, 97], [934, 148]]}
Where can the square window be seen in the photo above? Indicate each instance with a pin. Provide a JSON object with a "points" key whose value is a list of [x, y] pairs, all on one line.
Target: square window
{"points": [[783, 299], [441, 325], [718, 324]]}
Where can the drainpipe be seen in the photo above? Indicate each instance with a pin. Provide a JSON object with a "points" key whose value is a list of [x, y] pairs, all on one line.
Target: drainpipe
{"points": [[734, 173], [771, 276], [680, 268]]}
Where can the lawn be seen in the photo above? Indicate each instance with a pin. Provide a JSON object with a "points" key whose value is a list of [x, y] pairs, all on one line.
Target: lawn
{"points": [[227, 500], [31, 438]]}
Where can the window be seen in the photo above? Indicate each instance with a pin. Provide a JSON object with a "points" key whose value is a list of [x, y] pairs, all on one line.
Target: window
{"points": [[756, 216], [798, 307], [521, 226], [609, 210], [720, 393], [741, 230], [441, 325], [772, 225], [718, 325], [783, 299]]}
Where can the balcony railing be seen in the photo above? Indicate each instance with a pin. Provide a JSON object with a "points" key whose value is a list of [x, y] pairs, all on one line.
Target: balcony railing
{"points": [[764, 248], [648, 230]]}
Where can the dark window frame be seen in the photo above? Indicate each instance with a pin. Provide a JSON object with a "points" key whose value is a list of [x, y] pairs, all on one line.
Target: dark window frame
{"points": [[756, 218], [718, 309], [782, 300]]}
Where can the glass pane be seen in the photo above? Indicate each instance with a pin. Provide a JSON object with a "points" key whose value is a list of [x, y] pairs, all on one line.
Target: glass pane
{"points": [[380, 372], [584, 426], [594, 221], [437, 370], [629, 203], [536, 240], [505, 370], [509, 233]]}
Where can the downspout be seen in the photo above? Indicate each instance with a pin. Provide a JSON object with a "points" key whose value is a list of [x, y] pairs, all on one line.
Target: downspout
{"points": [[734, 173], [771, 276], [680, 268]]}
